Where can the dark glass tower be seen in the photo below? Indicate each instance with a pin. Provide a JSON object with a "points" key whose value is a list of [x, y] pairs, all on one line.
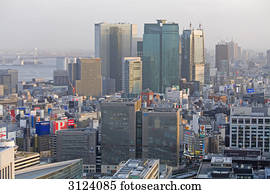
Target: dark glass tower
{"points": [[160, 55]]}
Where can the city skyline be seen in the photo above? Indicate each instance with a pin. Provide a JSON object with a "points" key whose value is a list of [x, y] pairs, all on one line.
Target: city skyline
{"points": [[31, 24]]}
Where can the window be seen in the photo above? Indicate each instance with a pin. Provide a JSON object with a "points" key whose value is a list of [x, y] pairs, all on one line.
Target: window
{"points": [[254, 121], [240, 121], [267, 121], [260, 121], [247, 121], [234, 121]]}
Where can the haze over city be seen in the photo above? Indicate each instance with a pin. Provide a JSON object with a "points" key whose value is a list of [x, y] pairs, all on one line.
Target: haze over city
{"points": [[69, 24]]}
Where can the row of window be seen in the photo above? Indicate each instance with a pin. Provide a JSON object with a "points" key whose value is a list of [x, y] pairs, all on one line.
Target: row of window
{"points": [[250, 121]]}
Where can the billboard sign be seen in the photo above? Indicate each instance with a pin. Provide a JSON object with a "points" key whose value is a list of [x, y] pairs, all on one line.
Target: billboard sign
{"points": [[250, 90], [202, 131], [43, 128], [59, 125], [3, 133]]}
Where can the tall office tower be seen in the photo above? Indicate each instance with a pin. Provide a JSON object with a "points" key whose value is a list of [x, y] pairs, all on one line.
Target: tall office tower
{"points": [[135, 41], [61, 63], [234, 51], [132, 75], [112, 43], [186, 67], [207, 77], [85, 76], [118, 133], [197, 56], [160, 136], [140, 49], [9, 79], [193, 59], [222, 58], [268, 57], [60, 77], [74, 144], [160, 55]]}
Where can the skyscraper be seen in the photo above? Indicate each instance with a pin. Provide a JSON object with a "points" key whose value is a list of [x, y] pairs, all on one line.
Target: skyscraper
{"points": [[268, 57], [85, 76], [132, 75], [9, 79], [118, 133], [112, 43], [160, 136], [222, 58], [197, 56], [193, 59], [234, 51], [186, 68], [140, 49], [160, 55]]}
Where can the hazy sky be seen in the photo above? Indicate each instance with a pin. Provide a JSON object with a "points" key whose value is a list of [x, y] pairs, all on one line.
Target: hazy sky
{"points": [[69, 24]]}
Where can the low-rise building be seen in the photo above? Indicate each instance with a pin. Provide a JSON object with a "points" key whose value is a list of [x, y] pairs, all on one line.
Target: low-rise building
{"points": [[138, 169]]}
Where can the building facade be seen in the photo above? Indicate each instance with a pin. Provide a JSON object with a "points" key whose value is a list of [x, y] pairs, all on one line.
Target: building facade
{"points": [[85, 76], [132, 75], [118, 133], [60, 78], [7, 170], [222, 58], [268, 57], [9, 79], [112, 43], [75, 144], [250, 128], [193, 57], [160, 55], [160, 136]]}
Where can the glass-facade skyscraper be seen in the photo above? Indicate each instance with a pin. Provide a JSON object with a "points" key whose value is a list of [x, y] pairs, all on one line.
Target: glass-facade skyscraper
{"points": [[185, 59], [113, 42], [193, 59], [160, 55]]}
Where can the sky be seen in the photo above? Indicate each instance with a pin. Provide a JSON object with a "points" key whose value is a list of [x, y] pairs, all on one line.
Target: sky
{"points": [[69, 24]]}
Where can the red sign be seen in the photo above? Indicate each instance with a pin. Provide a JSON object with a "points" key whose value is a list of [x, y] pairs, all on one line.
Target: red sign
{"points": [[71, 122], [12, 114], [59, 125], [63, 124], [2, 135]]}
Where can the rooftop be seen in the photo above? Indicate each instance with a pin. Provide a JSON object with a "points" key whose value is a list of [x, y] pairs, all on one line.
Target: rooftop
{"points": [[22, 155], [135, 168], [41, 170]]}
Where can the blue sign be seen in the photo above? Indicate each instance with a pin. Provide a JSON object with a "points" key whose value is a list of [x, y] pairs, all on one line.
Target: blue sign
{"points": [[49, 111], [251, 90], [43, 128]]}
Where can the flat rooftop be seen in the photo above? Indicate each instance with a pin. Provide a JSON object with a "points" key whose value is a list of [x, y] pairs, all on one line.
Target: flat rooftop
{"points": [[135, 169], [23, 155], [42, 170]]}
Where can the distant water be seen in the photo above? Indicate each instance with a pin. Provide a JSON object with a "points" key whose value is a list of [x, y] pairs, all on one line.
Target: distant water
{"points": [[28, 72]]}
